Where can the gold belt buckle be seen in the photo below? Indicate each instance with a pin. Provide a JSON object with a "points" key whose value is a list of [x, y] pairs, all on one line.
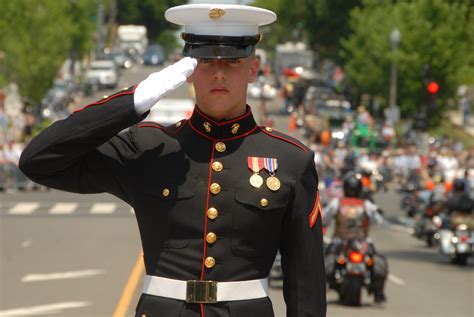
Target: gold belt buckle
{"points": [[201, 292]]}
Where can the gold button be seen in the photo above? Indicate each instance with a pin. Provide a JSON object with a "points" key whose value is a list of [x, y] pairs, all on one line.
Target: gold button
{"points": [[215, 188], [165, 192], [105, 97], [212, 213], [263, 202], [269, 129], [210, 262], [220, 147], [178, 124], [217, 166], [211, 237], [143, 315]]}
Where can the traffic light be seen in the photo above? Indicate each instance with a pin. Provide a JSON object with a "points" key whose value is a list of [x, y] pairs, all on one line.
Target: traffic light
{"points": [[432, 88]]}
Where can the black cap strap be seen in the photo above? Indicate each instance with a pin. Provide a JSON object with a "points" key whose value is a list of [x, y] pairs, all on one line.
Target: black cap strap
{"points": [[217, 39]]}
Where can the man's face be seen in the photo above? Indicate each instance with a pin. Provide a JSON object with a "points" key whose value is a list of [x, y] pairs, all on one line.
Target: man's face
{"points": [[221, 85]]}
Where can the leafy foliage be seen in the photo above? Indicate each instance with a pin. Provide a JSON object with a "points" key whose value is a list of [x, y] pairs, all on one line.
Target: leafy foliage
{"points": [[437, 33], [36, 38], [321, 22]]}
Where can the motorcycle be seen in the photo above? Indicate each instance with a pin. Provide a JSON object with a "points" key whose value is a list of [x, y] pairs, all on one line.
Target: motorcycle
{"points": [[352, 271], [458, 242], [426, 228]]}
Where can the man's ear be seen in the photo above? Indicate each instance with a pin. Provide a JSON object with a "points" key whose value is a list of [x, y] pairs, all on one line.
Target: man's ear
{"points": [[254, 67]]}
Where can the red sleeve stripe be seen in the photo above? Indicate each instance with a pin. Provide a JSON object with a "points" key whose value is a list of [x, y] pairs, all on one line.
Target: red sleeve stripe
{"points": [[282, 138], [313, 216], [108, 99]]}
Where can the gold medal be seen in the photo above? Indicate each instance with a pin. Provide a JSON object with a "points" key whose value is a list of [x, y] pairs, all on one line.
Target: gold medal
{"points": [[273, 183], [256, 180]]}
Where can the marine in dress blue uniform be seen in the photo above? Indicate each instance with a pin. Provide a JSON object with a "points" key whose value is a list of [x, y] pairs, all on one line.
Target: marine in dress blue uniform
{"points": [[215, 197]]}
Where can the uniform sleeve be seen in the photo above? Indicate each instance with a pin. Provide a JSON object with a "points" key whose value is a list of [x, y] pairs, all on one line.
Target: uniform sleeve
{"points": [[83, 153], [304, 284]]}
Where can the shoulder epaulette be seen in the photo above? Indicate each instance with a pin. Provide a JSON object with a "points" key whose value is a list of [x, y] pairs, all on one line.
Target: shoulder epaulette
{"points": [[123, 92], [283, 137]]}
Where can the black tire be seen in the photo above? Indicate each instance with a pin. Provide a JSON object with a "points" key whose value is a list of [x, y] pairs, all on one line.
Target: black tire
{"points": [[351, 291], [460, 259]]}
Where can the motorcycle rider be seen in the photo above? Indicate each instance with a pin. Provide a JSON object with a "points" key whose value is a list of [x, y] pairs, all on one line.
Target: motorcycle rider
{"points": [[458, 209], [459, 205], [352, 218]]}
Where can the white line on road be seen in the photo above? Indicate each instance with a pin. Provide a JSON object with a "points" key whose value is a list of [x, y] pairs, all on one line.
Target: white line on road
{"points": [[401, 228], [60, 275], [103, 208], [49, 309], [63, 208], [23, 208], [396, 280]]}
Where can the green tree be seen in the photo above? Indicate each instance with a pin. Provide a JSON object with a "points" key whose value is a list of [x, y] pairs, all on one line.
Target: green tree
{"points": [[437, 33], [322, 23], [36, 39]]}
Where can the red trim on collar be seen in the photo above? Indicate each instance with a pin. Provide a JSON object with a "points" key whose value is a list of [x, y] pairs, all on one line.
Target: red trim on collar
{"points": [[282, 138], [247, 113], [108, 99], [158, 126], [228, 139]]}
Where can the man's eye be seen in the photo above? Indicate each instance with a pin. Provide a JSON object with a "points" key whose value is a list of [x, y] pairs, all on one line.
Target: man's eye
{"points": [[205, 60], [234, 61]]}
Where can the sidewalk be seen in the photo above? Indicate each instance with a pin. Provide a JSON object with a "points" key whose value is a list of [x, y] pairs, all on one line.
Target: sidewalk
{"points": [[456, 118]]}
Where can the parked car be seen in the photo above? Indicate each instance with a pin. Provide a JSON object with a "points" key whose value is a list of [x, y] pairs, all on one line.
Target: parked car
{"points": [[58, 98], [154, 55], [103, 73], [120, 57]]}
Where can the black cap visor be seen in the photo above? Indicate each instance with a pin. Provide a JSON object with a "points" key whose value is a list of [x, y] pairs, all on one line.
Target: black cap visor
{"points": [[217, 51]]}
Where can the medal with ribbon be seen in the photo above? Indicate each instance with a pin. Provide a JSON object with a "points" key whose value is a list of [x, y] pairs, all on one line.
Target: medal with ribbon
{"points": [[255, 164], [271, 165]]}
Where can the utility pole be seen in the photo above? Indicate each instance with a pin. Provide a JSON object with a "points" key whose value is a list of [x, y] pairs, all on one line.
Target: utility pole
{"points": [[100, 27], [112, 20], [73, 52], [395, 37]]}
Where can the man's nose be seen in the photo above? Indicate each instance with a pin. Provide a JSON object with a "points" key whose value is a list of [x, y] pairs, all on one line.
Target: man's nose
{"points": [[219, 70]]}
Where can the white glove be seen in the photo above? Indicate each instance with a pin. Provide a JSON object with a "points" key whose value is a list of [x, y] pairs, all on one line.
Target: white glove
{"points": [[156, 85]]}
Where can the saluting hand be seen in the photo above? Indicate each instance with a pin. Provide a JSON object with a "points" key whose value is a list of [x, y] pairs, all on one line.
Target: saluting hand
{"points": [[156, 85]]}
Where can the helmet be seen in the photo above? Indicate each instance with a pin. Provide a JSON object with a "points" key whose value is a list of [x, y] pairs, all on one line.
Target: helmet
{"points": [[352, 185], [458, 185]]}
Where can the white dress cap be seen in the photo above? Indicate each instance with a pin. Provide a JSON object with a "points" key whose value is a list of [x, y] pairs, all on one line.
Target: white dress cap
{"points": [[220, 19]]}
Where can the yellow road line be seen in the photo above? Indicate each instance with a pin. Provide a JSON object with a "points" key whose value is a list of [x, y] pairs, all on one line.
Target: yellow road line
{"points": [[130, 287]]}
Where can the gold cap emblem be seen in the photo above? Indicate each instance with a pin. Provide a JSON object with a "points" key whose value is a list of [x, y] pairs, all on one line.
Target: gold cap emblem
{"points": [[216, 13], [235, 128], [207, 126]]}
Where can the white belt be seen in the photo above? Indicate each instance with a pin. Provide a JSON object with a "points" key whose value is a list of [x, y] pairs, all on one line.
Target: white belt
{"points": [[205, 291]]}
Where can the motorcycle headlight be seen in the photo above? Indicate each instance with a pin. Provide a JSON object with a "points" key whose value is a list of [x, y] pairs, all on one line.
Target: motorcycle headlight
{"points": [[437, 221]]}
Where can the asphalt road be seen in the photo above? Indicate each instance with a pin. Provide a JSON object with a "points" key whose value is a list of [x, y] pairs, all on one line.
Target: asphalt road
{"points": [[74, 255]]}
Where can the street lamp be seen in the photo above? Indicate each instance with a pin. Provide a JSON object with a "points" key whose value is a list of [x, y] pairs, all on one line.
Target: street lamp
{"points": [[395, 37]]}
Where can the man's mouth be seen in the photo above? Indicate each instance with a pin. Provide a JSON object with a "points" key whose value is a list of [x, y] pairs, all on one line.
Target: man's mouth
{"points": [[219, 90]]}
